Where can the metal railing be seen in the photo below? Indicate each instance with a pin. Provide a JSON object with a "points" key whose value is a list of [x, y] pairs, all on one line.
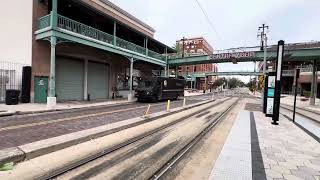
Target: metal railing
{"points": [[79, 28], [287, 72], [130, 46], [85, 30], [44, 22], [156, 55], [10, 77]]}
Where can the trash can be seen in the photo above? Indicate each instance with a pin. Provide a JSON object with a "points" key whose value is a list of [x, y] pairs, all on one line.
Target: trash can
{"points": [[12, 97]]}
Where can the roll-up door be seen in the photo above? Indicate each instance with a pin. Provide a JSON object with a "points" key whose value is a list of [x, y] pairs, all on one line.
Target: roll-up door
{"points": [[69, 79], [98, 77]]}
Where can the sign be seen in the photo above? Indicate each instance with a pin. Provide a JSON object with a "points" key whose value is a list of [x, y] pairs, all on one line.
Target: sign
{"points": [[261, 81], [270, 92], [269, 109], [236, 55]]}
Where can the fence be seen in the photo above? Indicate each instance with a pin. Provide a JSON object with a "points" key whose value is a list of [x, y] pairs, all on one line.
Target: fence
{"points": [[10, 77]]}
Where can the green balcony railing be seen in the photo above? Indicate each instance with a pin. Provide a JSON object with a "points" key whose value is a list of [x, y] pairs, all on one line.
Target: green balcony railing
{"points": [[44, 22], [85, 30], [156, 55], [130, 46], [79, 28]]}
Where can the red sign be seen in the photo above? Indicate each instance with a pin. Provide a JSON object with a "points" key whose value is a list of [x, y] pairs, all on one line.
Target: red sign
{"points": [[236, 55]]}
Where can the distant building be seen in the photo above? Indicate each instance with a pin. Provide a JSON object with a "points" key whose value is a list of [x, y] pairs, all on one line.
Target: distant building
{"points": [[197, 45], [304, 82]]}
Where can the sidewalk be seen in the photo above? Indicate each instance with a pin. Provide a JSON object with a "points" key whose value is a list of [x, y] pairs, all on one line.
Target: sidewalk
{"points": [[38, 108], [267, 151]]}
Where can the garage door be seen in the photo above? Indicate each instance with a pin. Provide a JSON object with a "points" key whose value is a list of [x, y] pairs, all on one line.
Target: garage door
{"points": [[69, 79], [98, 77]]}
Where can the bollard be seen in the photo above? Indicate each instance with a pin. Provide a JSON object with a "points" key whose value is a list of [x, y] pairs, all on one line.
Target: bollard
{"points": [[146, 113], [212, 97], [168, 106], [184, 102]]}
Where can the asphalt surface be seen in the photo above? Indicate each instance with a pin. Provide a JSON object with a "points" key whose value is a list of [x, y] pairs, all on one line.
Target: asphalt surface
{"points": [[22, 129]]}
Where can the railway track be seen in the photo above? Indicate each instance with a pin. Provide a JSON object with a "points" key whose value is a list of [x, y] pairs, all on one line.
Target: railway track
{"points": [[146, 138], [311, 115], [163, 170]]}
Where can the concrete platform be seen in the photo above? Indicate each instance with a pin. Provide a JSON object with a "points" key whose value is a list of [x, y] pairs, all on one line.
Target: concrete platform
{"points": [[256, 149]]}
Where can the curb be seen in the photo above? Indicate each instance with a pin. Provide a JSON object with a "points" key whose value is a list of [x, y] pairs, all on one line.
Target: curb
{"points": [[39, 148], [3, 114], [59, 110]]}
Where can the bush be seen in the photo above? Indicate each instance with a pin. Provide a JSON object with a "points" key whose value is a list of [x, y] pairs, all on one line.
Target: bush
{"points": [[306, 94]]}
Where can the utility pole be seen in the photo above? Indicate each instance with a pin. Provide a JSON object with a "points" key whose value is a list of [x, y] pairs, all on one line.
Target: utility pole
{"points": [[263, 36]]}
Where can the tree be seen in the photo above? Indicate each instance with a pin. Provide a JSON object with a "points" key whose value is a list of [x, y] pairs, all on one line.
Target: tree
{"points": [[219, 82], [235, 82], [251, 84]]}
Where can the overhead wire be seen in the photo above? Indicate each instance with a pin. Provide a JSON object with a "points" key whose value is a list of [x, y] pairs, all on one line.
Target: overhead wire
{"points": [[208, 19]]}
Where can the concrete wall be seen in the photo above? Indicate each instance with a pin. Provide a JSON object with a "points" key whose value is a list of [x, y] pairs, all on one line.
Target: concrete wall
{"points": [[16, 31]]}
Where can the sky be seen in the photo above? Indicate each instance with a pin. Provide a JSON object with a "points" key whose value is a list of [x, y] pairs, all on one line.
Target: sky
{"points": [[235, 22]]}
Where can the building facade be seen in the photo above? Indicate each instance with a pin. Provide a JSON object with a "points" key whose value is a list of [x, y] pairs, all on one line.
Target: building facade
{"points": [[82, 49], [194, 46], [288, 70]]}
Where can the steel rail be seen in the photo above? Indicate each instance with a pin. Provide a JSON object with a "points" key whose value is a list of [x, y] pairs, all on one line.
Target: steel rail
{"points": [[91, 158], [301, 114], [164, 169]]}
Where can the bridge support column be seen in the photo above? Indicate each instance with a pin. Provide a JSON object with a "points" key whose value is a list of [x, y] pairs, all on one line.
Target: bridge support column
{"points": [[130, 95], [314, 84]]}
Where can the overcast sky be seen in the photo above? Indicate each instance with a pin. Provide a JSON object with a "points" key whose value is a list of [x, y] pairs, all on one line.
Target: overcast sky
{"points": [[236, 22]]}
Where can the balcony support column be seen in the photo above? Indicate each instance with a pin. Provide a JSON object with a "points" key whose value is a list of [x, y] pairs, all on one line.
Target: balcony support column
{"points": [[166, 74], [51, 99], [54, 14], [130, 95], [85, 81], [146, 46], [313, 84], [114, 33]]}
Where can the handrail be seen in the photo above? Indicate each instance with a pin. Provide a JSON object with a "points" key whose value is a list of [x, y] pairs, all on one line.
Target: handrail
{"points": [[44, 22], [80, 28], [88, 31]]}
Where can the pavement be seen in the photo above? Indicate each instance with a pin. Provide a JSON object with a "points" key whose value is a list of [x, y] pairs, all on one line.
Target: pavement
{"points": [[256, 149], [29, 108]]}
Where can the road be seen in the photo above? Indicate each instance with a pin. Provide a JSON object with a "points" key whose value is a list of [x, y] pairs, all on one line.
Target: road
{"points": [[23, 129]]}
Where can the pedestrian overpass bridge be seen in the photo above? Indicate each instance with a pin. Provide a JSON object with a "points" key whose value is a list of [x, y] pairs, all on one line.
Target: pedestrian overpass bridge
{"points": [[251, 54]]}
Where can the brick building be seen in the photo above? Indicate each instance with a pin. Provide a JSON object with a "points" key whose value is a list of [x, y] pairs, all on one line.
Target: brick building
{"points": [[197, 45]]}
